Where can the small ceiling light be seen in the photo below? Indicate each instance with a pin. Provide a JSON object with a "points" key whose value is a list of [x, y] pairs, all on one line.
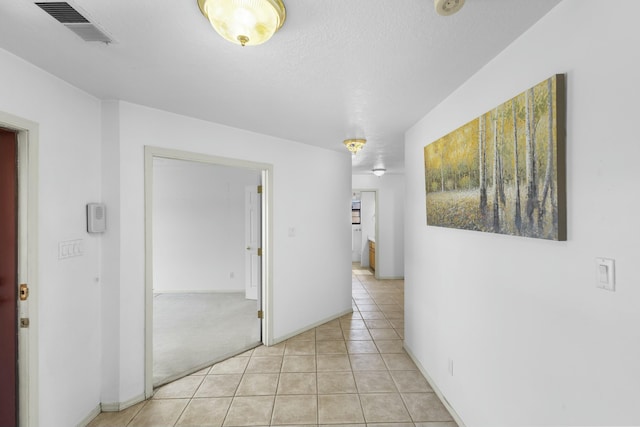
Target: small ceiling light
{"points": [[354, 145], [378, 171], [244, 22], [448, 7]]}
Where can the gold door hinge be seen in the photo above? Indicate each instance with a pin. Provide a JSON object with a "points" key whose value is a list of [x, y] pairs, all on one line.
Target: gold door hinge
{"points": [[259, 189], [259, 251], [260, 314], [24, 292]]}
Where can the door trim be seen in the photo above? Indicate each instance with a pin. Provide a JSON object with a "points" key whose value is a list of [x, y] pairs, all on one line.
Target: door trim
{"points": [[267, 227], [28, 137]]}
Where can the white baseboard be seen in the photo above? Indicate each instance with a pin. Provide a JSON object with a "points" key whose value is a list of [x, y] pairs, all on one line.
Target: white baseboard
{"points": [[308, 328], [120, 406], [94, 413], [435, 388]]}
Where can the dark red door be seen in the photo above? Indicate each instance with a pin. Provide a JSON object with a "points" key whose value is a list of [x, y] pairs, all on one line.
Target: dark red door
{"points": [[8, 279]]}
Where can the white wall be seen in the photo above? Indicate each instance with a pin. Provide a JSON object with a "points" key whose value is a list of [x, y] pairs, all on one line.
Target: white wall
{"points": [[311, 270], [91, 347], [532, 339], [199, 226], [390, 219], [69, 346]]}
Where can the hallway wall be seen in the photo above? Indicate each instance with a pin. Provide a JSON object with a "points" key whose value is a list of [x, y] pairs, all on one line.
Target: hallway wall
{"points": [[532, 340], [91, 308], [68, 290], [304, 291]]}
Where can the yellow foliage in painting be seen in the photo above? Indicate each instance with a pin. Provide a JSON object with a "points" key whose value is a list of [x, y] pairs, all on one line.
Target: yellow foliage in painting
{"points": [[499, 172]]}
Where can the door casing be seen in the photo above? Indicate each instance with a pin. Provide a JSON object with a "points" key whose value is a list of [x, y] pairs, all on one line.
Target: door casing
{"points": [[266, 231], [28, 137]]}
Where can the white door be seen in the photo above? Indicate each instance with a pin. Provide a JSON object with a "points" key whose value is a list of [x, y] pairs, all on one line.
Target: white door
{"points": [[253, 244]]}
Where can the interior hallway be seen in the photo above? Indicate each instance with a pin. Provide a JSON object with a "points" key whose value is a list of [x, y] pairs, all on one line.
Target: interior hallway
{"points": [[352, 370]]}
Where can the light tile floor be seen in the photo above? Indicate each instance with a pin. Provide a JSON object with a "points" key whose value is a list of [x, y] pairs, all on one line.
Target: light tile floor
{"points": [[352, 370]]}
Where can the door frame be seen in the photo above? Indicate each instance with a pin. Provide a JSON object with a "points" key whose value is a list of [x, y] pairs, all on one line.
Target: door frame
{"points": [[266, 171], [28, 138], [376, 272]]}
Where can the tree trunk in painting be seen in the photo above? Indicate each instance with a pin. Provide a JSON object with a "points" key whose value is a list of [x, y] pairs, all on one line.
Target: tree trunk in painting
{"points": [[496, 192], [442, 170], [516, 178], [548, 176], [503, 196], [483, 165], [532, 186]]}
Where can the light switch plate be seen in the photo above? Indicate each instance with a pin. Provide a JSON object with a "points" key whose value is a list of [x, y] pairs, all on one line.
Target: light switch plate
{"points": [[70, 249], [605, 274]]}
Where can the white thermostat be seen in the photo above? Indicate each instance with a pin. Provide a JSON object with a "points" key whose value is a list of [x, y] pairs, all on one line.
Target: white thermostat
{"points": [[96, 218]]}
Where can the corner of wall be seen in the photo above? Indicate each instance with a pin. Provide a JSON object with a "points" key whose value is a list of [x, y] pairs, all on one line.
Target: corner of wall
{"points": [[110, 252]]}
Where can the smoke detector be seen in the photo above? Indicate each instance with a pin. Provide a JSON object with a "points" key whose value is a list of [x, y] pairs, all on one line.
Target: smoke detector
{"points": [[448, 7]]}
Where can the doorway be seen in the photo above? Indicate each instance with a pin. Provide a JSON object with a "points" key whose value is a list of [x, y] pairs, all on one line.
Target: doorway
{"points": [[201, 310], [18, 265], [364, 232]]}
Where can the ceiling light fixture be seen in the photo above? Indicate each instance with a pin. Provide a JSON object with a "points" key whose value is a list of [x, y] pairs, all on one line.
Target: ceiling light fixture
{"points": [[378, 171], [355, 144], [244, 22], [448, 7]]}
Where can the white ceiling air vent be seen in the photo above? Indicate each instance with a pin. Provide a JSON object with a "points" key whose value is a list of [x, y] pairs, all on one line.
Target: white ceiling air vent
{"points": [[64, 13]]}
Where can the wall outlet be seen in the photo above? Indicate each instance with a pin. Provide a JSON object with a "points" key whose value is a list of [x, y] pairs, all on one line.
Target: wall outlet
{"points": [[450, 367]]}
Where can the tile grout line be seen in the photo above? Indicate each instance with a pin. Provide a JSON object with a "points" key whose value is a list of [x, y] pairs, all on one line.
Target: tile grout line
{"points": [[275, 395], [244, 371], [364, 418], [191, 398], [182, 412], [315, 357]]}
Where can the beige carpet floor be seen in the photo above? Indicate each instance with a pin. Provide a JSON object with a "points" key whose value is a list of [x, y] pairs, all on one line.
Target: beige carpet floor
{"points": [[191, 331]]}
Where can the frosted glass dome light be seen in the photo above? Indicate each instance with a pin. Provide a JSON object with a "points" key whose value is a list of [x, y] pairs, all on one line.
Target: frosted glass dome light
{"points": [[244, 22]]}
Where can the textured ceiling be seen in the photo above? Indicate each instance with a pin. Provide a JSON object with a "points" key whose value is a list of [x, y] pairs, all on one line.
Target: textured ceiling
{"points": [[337, 69]]}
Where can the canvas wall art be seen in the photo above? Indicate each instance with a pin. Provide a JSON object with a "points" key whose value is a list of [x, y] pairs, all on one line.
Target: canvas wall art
{"points": [[504, 172]]}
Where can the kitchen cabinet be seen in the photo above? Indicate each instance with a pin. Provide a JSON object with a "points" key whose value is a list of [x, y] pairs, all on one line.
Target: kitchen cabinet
{"points": [[372, 255]]}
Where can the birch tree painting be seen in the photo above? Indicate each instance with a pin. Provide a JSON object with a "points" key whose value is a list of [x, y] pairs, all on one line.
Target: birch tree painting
{"points": [[504, 171]]}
